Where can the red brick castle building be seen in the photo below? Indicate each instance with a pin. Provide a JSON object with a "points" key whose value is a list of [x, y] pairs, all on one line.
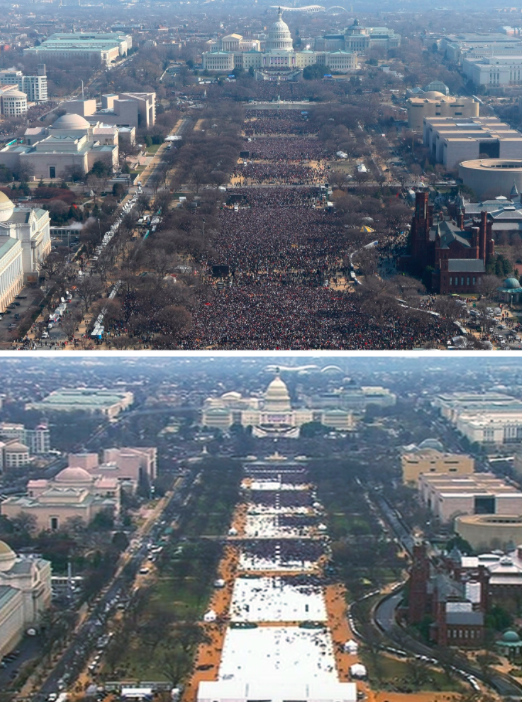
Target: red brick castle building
{"points": [[456, 254]]}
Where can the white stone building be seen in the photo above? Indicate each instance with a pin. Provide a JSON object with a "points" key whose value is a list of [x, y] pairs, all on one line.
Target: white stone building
{"points": [[25, 243], [481, 493], [13, 102], [73, 493], [278, 60], [358, 39], [35, 87], [25, 593], [435, 104], [452, 140], [71, 142], [11, 269], [38, 440], [130, 110], [271, 415], [489, 419], [105, 47], [494, 71]]}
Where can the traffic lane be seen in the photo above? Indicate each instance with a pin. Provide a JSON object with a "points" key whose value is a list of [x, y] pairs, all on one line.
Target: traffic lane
{"points": [[75, 658]]}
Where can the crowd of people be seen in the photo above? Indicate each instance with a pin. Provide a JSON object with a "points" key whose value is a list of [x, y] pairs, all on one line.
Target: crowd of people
{"points": [[279, 233], [295, 149], [272, 122], [277, 270], [269, 315], [278, 172]]}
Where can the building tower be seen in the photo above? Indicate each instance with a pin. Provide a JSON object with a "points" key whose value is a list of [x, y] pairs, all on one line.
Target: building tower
{"points": [[418, 585], [279, 37]]}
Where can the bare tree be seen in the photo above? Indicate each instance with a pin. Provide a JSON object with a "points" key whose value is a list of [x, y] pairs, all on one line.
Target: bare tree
{"points": [[488, 286], [88, 290]]}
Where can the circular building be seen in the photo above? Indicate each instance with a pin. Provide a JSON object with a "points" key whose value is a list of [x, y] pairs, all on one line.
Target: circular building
{"points": [[16, 455], [431, 444], [279, 36], [510, 290], [6, 207], [70, 121], [14, 103], [491, 177], [510, 644], [489, 531], [73, 475], [277, 397], [7, 557]]}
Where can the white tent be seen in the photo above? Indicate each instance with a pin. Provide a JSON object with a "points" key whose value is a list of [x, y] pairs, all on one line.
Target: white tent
{"points": [[351, 646], [210, 616], [357, 670], [232, 532], [219, 583], [136, 693]]}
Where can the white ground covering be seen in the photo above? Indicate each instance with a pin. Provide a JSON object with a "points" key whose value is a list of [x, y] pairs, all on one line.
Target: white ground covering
{"points": [[239, 691], [278, 654], [268, 525], [256, 563], [270, 509], [272, 600], [276, 485]]}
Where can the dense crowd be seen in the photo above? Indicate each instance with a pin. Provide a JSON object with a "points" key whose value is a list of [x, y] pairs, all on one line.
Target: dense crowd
{"points": [[269, 315], [285, 498], [284, 550], [279, 233], [272, 122], [282, 255], [297, 148], [279, 172]]}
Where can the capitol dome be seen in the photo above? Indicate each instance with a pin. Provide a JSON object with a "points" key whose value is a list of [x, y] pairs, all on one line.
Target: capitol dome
{"points": [[7, 557], [70, 121], [6, 207], [279, 37], [277, 397], [73, 475]]}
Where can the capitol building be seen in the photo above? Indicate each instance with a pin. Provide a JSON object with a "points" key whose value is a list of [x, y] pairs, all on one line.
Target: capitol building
{"points": [[271, 415], [278, 60]]}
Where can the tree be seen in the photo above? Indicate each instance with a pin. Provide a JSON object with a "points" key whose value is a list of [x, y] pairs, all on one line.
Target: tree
{"points": [[488, 285], [88, 290], [174, 661], [314, 72], [25, 172], [101, 168], [24, 523], [120, 541], [73, 173], [311, 429]]}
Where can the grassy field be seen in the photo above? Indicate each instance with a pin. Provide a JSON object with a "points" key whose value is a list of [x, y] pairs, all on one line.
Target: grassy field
{"points": [[406, 676], [176, 595], [153, 149]]}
